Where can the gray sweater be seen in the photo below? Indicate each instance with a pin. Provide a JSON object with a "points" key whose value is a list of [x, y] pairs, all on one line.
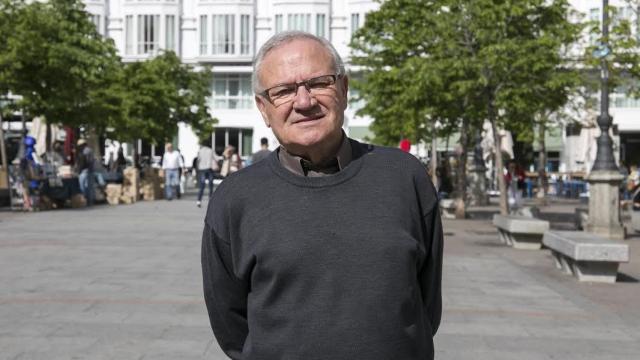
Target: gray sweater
{"points": [[346, 266]]}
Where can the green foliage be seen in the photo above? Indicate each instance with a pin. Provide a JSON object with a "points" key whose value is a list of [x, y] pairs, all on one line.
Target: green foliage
{"points": [[162, 92], [460, 61], [623, 62], [451, 59], [52, 55], [56, 60]]}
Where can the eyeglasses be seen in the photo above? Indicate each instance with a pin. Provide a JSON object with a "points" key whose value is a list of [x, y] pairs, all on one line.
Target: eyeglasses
{"points": [[284, 93]]}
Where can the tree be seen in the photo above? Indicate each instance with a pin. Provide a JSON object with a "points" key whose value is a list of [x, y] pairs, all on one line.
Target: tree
{"points": [[486, 59], [161, 93], [408, 83], [57, 61]]}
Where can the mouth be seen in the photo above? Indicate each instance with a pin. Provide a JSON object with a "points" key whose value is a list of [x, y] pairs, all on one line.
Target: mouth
{"points": [[308, 119]]}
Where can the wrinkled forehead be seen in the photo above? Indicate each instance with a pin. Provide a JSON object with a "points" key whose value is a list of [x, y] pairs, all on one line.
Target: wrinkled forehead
{"points": [[295, 57]]}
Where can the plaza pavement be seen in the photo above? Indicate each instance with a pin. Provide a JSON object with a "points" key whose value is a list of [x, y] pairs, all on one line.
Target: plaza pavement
{"points": [[124, 282]]}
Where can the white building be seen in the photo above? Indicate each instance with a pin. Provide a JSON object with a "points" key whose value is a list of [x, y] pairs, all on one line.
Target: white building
{"points": [[578, 148], [226, 34]]}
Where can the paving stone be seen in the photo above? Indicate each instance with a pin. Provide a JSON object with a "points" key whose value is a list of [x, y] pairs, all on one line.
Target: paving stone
{"points": [[124, 282]]}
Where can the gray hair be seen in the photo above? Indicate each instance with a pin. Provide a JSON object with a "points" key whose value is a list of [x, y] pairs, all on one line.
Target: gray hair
{"points": [[286, 37]]}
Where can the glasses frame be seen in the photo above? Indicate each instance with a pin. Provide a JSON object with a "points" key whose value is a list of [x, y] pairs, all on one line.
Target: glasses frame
{"points": [[305, 83]]}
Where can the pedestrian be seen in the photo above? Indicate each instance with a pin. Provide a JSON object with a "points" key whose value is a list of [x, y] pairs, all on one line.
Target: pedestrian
{"points": [[171, 165], [207, 164], [329, 248], [31, 174], [85, 165], [263, 153], [514, 178], [231, 163], [181, 175]]}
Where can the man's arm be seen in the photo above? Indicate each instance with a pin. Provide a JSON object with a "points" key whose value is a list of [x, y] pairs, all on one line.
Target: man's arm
{"points": [[430, 275], [225, 295]]}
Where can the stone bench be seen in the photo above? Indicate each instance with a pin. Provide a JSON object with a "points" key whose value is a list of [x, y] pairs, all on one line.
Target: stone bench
{"points": [[528, 211], [448, 208], [587, 256], [521, 232]]}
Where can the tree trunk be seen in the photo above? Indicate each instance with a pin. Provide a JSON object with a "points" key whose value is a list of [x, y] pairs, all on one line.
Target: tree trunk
{"points": [[542, 173], [3, 149], [502, 186], [461, 181], [3, 156], [47, 137], [136, 156], [93, 142], [434, 155]]}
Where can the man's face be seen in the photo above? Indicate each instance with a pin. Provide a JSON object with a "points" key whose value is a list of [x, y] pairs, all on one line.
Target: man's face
{"points": [[308, 121]]}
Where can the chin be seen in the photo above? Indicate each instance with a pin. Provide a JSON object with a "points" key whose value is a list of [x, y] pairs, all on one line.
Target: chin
{"points": [[313, 137]]}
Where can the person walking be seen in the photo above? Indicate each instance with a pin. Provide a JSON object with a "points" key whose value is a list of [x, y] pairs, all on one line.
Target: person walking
{"points": [[263, 153], [171, 165], [207, 164], [329, 248], [85, 164], [181, 176]]}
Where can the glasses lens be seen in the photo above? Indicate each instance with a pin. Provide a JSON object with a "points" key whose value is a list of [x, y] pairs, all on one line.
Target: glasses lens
{"points": [[321, 82], [282, 93]]}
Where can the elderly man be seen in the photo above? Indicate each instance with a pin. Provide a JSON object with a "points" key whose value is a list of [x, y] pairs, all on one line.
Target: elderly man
{"points": [[329, 248]]}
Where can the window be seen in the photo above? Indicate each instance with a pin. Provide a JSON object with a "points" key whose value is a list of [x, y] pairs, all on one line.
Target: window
{"points": [[637, 23], [594, 16], [278, 23], [203, 34], [170, 32], [95, 19], [355, 102], [299, 22], [223, 34], [320, 25], [148, 33], [355, 22], [245, 28], [621, 14], [232, 91], [621, 100], [241, 139], [128, 29]]}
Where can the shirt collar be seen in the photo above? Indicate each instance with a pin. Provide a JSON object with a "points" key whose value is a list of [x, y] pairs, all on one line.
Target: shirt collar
{"points": [[302, 167]]}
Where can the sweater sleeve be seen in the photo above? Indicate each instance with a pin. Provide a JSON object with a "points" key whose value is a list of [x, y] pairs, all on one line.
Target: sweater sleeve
{"points": [[430, 275], [225, 295]]}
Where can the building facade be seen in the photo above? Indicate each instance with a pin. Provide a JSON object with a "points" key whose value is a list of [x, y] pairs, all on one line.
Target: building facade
{"points": [[576, 146], [226, 34]]}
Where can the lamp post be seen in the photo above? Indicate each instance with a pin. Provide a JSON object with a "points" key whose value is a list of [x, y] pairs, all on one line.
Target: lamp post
{"points": [[604, 158], [604, 179]]}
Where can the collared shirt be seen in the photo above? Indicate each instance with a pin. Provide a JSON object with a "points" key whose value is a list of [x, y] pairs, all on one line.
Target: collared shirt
{"points": [[172, 160], [302, 167]]}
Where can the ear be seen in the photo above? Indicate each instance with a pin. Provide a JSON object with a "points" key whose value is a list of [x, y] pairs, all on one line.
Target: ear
{"points": [[345, 91], [262, 107]]}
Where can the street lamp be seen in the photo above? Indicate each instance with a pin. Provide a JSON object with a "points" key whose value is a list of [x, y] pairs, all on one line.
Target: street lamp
{"points": [[604, 179], [604, 157]]}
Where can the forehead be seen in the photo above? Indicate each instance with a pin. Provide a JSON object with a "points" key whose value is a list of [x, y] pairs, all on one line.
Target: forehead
{"points": [[294, 61]]}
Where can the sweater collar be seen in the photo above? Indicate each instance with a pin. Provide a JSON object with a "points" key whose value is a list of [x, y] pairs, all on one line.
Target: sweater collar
{"points": [[303, 167]]}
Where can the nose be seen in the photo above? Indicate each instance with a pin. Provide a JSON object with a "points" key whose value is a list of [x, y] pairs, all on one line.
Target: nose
{"points": [[303, 99]]}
